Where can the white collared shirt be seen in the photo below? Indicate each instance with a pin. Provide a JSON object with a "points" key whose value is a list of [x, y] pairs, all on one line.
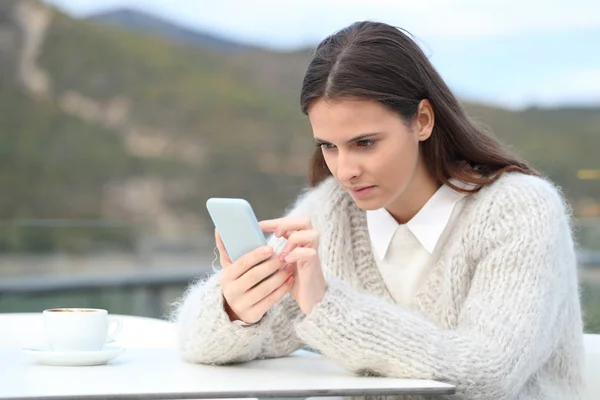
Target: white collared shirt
{"points": [[404, 253]]}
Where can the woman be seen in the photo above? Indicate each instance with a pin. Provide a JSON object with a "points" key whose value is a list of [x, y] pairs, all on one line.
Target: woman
{"points": [[423, 249]]}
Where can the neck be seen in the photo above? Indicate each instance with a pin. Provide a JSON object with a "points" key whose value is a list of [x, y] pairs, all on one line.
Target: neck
{"points": [[418, 192]]}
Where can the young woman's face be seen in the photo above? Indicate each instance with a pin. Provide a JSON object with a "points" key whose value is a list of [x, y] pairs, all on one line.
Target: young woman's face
{"points": [[371, 151]]}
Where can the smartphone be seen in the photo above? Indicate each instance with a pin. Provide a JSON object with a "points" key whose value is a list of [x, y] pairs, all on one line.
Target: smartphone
{"points": [[237, 225]]}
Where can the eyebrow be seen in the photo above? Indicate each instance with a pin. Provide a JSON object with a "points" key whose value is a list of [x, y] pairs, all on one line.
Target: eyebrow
{"points": [[354, 139]]}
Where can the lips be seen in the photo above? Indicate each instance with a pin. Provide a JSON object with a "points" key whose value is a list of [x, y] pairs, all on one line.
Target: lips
{"points": [[359, 188], [361, 192]]}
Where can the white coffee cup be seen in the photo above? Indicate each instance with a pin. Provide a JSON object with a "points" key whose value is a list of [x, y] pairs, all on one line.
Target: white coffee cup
{"points": [[79, 329]]}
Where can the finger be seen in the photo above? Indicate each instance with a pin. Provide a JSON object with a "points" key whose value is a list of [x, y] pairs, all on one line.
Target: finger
{"points": [[302, 254], [244, 301], [308, 237], [224, 256], [260, 272], [267, 302], [282, 225], [268, 286], [250, 260], [269, 225]]}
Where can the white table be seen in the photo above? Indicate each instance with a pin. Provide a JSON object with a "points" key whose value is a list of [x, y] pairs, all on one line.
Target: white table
{"points": [[592, 366], [156, 372]]}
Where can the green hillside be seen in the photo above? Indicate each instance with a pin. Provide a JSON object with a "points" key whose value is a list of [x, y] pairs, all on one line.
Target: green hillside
{"points": [[559, 142], [52, 166], [196, 96], [236, 113]]}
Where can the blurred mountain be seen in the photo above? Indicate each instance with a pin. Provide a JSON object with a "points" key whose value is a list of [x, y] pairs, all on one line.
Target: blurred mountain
{"points": [[146, 23], [101, 123]]}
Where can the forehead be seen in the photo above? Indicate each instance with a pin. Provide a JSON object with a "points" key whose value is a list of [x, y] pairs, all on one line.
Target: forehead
{"points": [[349, 117]]}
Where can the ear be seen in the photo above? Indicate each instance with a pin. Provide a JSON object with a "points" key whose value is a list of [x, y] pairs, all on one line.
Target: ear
{"points": [[425, 120]]}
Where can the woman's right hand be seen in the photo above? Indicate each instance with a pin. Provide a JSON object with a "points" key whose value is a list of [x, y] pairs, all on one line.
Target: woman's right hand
{"points": [[254, 283]]}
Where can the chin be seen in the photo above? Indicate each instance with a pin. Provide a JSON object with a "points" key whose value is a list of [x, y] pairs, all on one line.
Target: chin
{"points": [[368, 204]]}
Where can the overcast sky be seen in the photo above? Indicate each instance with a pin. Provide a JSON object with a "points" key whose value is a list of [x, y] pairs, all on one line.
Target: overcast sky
{"points": [[544, 52]]}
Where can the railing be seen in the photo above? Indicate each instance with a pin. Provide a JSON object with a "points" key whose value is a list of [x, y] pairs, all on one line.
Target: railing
{"points": [[588, 258], [152, 282]]}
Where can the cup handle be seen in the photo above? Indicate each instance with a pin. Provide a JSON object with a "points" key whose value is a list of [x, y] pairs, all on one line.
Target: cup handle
{"points": [[113, 332]]}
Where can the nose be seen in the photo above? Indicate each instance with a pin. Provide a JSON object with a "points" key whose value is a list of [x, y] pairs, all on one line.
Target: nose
{"points": [[347, 167]]}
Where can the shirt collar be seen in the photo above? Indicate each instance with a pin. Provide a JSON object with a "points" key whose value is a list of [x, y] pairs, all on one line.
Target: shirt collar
{"points": [[427, 225]]}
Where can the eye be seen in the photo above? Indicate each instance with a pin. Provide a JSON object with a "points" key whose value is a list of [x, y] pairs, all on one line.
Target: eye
{"points": [[365, 143], [325, 146]]}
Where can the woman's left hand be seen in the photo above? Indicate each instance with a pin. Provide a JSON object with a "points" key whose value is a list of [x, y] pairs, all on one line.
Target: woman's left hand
{"points": [[302, 250]]}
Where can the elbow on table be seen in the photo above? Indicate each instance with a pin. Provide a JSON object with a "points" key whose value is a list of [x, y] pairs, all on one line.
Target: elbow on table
{"points": [[192, 350], [495, 380]]}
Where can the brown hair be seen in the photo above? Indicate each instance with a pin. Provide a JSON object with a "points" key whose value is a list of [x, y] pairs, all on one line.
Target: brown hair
{"points": [[377, 61]]}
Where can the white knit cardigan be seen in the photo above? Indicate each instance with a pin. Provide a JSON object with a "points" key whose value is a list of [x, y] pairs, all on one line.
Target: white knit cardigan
{"points": [[498, 315]]}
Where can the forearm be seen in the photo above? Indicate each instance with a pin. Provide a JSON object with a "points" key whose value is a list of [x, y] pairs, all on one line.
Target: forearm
{"points": [[366, 334], [207, 335]]}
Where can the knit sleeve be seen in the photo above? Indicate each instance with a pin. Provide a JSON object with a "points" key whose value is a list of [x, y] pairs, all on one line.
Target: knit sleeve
{"points": [[508, 323], [207, 336]]}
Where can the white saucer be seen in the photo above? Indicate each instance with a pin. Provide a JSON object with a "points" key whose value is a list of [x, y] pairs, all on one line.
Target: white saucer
{"points": [[73, 358]]}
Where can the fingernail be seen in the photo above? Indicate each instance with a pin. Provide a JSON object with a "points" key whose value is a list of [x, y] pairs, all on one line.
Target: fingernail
{"points": [[282, 256]]}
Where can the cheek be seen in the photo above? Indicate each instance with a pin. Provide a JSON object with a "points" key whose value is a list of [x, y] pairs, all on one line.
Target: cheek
{"points": [[398, 161]]}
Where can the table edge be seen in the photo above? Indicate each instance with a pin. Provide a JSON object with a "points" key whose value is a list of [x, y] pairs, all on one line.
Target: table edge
{"points": [[449, 389]]}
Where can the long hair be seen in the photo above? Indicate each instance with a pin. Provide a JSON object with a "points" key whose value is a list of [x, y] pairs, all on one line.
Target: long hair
{"points": [[376, 61]]}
